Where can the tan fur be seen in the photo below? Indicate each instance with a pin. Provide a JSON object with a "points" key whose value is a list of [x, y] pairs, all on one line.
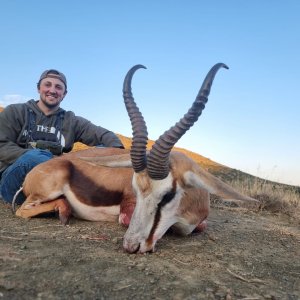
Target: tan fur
{"points": [[30, 209], [70, 175], [194, 206], [144, 183], [181, 165], [52, 179]]}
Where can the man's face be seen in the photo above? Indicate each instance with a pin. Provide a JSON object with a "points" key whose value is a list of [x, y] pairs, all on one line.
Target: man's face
{"points": [[52, 91]]}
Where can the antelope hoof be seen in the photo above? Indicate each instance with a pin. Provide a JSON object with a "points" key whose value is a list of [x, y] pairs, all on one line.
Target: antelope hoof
{"points": [[64, 214]]}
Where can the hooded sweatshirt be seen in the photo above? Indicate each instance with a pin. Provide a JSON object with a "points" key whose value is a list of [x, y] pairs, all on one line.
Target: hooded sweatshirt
{"points": [[25, 122]]}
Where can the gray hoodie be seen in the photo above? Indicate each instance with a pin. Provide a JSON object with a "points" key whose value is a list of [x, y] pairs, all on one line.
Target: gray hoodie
{"points": [[14, 131]]}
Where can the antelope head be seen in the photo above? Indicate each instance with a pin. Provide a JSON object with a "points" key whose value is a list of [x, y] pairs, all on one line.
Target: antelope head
{"points": [[157, 186]]}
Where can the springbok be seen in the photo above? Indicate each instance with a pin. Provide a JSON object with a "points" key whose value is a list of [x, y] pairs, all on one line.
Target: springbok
{"points": [[147, 191]]}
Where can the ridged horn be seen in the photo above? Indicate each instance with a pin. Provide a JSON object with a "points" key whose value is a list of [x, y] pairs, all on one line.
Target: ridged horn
{"points": [[158, 158], [139, 128]]}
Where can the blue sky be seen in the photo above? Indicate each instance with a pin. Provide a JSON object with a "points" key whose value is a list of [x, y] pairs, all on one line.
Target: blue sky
{"points": [[251, 121]]}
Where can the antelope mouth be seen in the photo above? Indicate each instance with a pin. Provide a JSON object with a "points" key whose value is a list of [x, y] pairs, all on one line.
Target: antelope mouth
{"points": [[134, 251], [132, 248], [138, 248]]}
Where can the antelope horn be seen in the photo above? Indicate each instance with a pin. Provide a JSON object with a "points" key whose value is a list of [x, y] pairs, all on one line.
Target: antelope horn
{"points": [[158, 158], [139, 128]]}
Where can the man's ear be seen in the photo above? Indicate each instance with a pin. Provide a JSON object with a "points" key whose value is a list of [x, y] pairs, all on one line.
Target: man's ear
{"points": [[65, 93]]}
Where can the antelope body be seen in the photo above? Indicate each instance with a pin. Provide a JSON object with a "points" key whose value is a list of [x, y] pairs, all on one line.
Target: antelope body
{"points": [[147, 191], [71, 185]]}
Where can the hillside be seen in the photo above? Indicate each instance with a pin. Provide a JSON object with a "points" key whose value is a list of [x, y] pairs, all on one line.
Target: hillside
{"points": [[224, 172], [203, 161]]}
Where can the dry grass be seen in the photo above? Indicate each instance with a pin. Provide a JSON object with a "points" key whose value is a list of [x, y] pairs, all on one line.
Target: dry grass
{"points": [[273, 197]]}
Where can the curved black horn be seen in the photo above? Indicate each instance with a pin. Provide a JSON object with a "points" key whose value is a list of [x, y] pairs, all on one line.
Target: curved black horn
{"points": [[158, 159], [139, 128]]}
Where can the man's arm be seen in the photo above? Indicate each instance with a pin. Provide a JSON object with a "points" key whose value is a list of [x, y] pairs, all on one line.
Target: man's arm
{"points": [[10, 128], [93, 135]]}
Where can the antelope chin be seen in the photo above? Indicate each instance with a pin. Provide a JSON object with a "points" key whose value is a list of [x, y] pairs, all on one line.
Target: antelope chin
{"points": [[146, 247]]}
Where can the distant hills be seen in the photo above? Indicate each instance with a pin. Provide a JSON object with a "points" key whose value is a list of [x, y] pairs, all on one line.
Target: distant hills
{"points": [[203, 161], [223, 172]]}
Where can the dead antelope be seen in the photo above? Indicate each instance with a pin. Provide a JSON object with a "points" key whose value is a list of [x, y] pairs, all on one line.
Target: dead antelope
{"points": [[149, 191]]}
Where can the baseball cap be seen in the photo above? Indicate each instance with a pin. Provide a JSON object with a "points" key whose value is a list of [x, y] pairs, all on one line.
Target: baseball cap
{"points": [[52, 73]]}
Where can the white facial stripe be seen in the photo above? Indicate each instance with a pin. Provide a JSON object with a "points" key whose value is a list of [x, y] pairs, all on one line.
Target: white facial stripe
{"points": [[168, 214], [144, 228], [165, 215]]}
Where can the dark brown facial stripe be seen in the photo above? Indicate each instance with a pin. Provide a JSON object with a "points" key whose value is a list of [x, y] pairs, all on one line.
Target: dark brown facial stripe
{"points": [[165, 200], [149, 240]]}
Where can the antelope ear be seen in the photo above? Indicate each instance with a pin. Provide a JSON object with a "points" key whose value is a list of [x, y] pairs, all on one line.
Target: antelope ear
{"points": [[113, 161]]}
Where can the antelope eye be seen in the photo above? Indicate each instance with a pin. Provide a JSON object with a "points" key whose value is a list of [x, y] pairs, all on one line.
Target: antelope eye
{"points": [[167, 198]]}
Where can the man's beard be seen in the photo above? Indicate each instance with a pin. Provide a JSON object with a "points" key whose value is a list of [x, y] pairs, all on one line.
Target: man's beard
{"points": [[50, 105]]}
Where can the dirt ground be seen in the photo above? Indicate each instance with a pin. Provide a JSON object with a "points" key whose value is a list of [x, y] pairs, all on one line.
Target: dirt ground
{"points": [[242, 255]]}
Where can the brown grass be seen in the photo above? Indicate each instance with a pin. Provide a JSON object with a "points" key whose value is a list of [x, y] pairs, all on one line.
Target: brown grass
{"points": [[274, 197]]}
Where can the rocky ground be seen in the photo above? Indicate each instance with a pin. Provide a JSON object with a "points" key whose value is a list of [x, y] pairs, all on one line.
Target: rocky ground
{"points": [[242, 255]]}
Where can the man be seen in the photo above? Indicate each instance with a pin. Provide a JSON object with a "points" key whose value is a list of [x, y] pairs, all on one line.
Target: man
{"points": [[36, 131]]}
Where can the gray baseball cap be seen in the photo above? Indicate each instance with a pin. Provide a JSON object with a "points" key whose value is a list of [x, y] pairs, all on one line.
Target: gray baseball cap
{"points": [[52, 73]]}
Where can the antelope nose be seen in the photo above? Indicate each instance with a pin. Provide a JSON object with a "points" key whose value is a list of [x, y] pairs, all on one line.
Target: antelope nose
{"points": [[131, 247]]}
